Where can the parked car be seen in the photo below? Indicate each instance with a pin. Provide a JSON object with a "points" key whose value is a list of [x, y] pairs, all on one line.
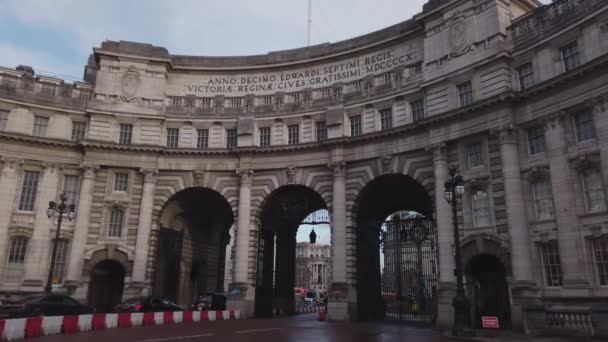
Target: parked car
{"points": [[210, 301], [42, 305], [147, 304]]}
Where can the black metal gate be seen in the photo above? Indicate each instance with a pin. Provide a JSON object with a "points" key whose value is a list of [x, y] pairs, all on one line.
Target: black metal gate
{"points": [[409, 270]]}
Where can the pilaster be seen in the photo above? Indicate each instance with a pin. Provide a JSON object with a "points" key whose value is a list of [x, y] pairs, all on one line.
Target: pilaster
{"points": [[144, 228], [9, 179]]}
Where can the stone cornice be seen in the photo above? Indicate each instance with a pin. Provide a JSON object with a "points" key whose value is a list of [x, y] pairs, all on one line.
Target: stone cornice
{"points": [[38, 140]]}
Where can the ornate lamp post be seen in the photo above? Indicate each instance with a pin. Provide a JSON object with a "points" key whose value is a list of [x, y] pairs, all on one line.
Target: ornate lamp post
{"points": [[454, 189], [57, 210]]}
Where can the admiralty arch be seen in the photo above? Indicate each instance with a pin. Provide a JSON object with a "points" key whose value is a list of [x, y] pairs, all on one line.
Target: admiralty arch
{"points": [[191, 174]]}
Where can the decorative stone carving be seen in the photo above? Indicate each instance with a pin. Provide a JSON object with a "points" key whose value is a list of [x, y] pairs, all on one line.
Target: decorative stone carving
{"points": [[387, 163], [459, 35], [245, 175], [582, 162], [339, 168], [129, 84], [291, 175], [149, 175], [89, 170]]}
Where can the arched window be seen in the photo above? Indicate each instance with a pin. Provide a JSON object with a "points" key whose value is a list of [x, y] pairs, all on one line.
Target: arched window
{"points": [[481, 208], [117, 218], [543, 199], [16, 260], [593, 190]]}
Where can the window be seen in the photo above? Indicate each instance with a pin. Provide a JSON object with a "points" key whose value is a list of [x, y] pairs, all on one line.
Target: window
{"points": [[481, 210], [600, 258], [121, 181], [593, 189], [79, 129], [417, 110], [71, 188], [543, 199], [474, 155], [570, 56], [465, 93], [85, 94], [583, 121], [386, 118], [231, 137], [267, 99], [41, 123], [47, 88], [324, 93], [355, 126], [293, 134], [526, 76], [206, 102], [552, 267], [16, 260], [172, 137], [236, 102], [29, 187], [3, 119], [202, 138], [265, 136], [60, 260], [536, 140], [117, 217], [321, 130], [297, 97], [126, 131]]}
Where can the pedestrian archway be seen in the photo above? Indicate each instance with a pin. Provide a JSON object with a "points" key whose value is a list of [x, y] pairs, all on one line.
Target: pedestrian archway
{"points": [[393, 273], [191, 250], [106, 285], [281, 215]]}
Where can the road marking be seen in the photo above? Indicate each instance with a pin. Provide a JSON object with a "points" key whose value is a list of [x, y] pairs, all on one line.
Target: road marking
{"points": [[176, 338], [256, 330]]}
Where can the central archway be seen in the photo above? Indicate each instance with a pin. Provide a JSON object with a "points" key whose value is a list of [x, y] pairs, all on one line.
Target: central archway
{"points": [[281, 215], [193, 236], [380, 198]]}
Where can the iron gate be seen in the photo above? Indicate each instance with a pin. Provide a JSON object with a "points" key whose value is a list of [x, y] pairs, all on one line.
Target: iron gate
{"points": [[409, 269]]}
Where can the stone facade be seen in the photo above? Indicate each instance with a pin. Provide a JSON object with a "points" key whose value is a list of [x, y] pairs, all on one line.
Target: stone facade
{"points": [[313, 266], [510, 92]]}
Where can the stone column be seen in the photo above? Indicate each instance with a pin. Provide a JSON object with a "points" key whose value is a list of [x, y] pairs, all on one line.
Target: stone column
{"points": [[9, 182], [570, 243], [38, 249], [445, 241], [339, 287], [81, 226], [144, 227]]}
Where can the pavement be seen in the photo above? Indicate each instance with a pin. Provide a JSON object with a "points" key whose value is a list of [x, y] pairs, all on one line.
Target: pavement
{"points": [[300, 328]]}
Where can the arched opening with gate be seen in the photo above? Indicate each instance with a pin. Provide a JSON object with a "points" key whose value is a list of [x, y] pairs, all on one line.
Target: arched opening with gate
{"points": [[106, 285], [392, 279], [488, 290], [191, 250], [282, 213]]}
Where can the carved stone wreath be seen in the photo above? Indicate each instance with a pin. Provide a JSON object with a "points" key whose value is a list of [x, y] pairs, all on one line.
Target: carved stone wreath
{"points": [[459, 35], [129, 84]]}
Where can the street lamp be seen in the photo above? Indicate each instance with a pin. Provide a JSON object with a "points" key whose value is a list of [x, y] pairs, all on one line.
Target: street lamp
{"points": [[454, 189], [57, 210]]}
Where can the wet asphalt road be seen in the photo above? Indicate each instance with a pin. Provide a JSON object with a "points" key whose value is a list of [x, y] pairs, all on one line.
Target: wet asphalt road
{"points": [[302, 328]]}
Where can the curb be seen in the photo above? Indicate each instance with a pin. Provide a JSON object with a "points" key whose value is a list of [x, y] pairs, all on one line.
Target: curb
{"points": [[18, 328]]}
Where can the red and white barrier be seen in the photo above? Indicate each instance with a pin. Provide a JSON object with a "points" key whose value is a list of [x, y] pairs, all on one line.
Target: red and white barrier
{"points": [[18, 328], [310, 309]]}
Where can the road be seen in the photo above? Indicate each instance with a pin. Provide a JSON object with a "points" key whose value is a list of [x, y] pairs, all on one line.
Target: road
{"points": [[301, 328]]}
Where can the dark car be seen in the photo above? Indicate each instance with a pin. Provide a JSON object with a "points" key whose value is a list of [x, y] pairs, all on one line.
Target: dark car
{"points": [[147, 304], [42, 305], [210, 301]]}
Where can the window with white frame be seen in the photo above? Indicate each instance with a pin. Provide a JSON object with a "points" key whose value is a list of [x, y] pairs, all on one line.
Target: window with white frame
{"points": [[583, 121], [481, 208], [29, 188], [465, 93], [571, 56], [417, 110], [526, 76], [41, 123], [172, 137], [552, 268], [386, 118], [121, 181], [593, 190], [600, 259], [543, 199], [231, 137], [264, 136], [356, 127], [71, 188], [293, 134], [536, 140], [117, 218], [60, 260], [321, 130], [79, 129], [16, 260], [126, 132], [474, 155], [202, 138], [3, 119]]}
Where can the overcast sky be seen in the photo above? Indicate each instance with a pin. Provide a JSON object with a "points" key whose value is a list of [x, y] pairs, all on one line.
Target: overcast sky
{"points": [[56, 36]]}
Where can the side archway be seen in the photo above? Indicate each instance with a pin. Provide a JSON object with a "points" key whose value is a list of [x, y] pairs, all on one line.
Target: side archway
{"points": [[106, 285]]}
